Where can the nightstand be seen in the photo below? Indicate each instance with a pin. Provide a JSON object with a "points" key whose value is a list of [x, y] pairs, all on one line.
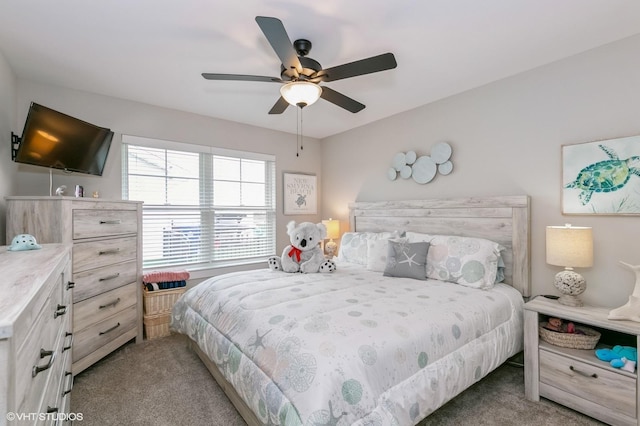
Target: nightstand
{"points": [[577, 378]]}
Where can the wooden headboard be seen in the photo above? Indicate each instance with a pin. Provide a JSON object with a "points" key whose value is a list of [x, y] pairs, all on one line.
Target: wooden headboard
{"points": [[504, 220]]}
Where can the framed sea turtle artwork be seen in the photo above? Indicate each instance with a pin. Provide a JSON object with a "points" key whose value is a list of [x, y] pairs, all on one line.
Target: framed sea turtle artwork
{"points": [[300, 193], [602, 177]]}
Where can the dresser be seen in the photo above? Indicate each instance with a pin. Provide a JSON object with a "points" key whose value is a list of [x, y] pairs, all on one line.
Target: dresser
{"points": [[575, 377], [36, 335], [106, 260]]}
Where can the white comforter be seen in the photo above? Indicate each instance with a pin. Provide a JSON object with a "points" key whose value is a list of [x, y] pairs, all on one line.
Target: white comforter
{"points": [[351, 347]]}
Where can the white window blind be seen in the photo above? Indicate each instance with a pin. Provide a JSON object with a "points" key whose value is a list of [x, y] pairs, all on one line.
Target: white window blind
{"points": [[203, 207]]}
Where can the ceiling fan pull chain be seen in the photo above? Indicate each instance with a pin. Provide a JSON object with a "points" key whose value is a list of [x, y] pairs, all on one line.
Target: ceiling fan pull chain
{"points": [[297, 133], [301, 131]]}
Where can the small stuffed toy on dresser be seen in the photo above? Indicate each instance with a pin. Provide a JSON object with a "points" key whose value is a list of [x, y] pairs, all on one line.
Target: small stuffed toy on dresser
{"points": [[304, 254]]}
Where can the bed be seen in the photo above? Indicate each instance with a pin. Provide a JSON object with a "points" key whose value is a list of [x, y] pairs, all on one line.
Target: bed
{"points": [[358, 346]]}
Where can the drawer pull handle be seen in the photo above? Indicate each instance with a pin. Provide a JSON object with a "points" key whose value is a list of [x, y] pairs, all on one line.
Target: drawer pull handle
{"points": [[39, 368], [114, 303], [60, 310], [66, 348], [70, 285], [111, 329], [68, 390], [110, 277], [582, 373], [111, 251], [52, 409], [110, 222]]}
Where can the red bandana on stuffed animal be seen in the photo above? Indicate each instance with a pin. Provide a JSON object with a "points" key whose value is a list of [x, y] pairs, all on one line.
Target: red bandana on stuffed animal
{"points": [[295, 251]]}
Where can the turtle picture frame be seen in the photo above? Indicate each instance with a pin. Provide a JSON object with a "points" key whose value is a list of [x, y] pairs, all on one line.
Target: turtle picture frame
{"points": [[300, 193], [602, 177]]}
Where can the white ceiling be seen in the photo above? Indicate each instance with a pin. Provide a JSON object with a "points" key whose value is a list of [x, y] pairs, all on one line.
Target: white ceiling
{"points": [[153, 51]]}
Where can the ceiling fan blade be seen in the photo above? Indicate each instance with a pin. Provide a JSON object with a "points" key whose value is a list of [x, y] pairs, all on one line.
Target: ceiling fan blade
{"points": [[277, 36], [279, 107], [341, 100], [383, 62], [240, 77]]}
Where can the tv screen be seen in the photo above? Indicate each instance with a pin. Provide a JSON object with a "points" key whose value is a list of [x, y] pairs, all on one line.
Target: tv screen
{"points": [[56, 140]]}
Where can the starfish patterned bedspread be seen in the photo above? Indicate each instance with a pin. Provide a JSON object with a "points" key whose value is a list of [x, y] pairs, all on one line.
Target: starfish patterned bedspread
{"points": [[350, 347]]}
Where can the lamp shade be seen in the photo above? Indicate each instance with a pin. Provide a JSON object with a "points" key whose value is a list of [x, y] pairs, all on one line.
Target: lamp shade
{"points": [[333, 228], [301, 93], [569, 246]]}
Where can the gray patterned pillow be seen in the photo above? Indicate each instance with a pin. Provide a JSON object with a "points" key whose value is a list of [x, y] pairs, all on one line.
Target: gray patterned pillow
{"points": [[407, 260]]}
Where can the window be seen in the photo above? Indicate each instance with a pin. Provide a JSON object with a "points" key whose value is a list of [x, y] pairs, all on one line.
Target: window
{"points": [[203, 207]]}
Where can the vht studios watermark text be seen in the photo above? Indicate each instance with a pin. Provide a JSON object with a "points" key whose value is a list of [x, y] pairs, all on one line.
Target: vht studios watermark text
{"points": [[21, 417]]}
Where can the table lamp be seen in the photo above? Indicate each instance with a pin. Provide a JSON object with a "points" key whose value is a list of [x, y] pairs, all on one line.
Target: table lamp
{"points": [[571, 247], [333, 231]]}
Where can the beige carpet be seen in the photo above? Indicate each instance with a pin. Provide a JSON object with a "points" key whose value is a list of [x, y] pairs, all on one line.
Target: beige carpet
{"points": [[162, 382]]}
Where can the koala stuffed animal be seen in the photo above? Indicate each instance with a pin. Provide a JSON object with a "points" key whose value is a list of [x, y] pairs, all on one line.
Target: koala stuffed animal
{"points": [[304, 254]]}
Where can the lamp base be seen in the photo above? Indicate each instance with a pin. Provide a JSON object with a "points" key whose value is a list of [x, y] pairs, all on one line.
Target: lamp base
{"points": [[570, 300], [570, 284], [629, 311]]}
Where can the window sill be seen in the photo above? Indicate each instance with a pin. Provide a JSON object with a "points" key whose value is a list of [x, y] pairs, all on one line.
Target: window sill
{"points": [[202, 272]]}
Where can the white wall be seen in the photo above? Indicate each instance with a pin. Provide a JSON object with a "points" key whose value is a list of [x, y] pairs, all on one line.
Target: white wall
{"points": [[8, 178], [127, 117], [506, 140]]}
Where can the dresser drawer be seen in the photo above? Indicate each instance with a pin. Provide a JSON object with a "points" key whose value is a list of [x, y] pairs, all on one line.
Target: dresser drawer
{"points": [[96, 281], [52, 395], [96, 254], [40, 355], [101, 333], [611, 389], [103, 223], [101, 307]]}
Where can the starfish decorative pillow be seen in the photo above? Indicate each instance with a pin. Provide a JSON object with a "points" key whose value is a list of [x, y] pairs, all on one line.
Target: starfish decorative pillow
{"points": [[407, 260]]}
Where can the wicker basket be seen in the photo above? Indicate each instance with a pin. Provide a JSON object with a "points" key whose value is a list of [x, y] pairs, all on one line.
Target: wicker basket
{"points": [[157, 325], [588, 340], [161, 301]]}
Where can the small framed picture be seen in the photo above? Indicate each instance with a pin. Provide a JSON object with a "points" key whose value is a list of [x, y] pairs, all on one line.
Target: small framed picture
{"points": [[300, 193], [602, 177]]}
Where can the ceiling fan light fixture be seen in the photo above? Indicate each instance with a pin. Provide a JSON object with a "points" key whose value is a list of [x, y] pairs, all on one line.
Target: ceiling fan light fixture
{"points": [[301, 93]]}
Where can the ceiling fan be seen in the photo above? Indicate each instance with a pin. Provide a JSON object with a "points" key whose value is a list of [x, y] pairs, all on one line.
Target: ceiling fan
{"points": [[301, 75]]}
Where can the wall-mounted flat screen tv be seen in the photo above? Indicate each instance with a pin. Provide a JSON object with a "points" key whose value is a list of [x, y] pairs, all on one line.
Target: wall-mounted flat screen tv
{"points": [[56, 140]]}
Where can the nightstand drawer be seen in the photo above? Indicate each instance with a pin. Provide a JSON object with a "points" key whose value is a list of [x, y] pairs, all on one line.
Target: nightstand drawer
{"points": [[610, 389], [102, 223]]}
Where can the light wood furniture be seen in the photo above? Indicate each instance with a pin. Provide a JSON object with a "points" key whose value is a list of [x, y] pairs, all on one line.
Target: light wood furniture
{"points": [[577, 378], [35, 334], [106, 263], [504, 220]]}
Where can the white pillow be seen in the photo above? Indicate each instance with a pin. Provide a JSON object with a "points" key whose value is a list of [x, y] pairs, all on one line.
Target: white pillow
{"points": [[377, 253], [353, 245]]}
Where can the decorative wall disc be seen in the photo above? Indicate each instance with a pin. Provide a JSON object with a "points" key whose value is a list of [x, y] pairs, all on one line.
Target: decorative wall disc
{"points": [[392, 174], [441, 152], [445, 168], [399, 161], [424, 169], [405, 173], [410, 157]]}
